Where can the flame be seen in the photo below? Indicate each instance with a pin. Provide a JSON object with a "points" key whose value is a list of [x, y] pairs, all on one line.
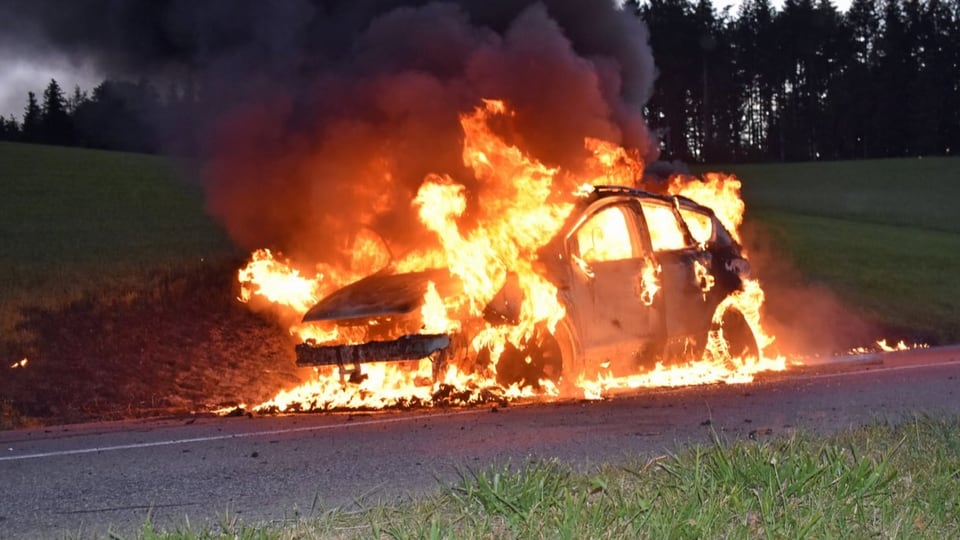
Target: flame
{"points": [[611, 164], [720, 192], [649, 282], [704, 278], [276, 281], [733, 371], [434, 313], [22, 363], [900, 346], [883, 346], [516, 217], [519, 205]]}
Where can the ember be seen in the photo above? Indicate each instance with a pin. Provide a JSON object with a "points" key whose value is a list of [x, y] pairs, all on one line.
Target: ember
{"points": [[883, 346]]}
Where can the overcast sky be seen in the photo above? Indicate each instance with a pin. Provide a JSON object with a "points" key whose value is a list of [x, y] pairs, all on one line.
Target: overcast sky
{"points": [[19, 75]]}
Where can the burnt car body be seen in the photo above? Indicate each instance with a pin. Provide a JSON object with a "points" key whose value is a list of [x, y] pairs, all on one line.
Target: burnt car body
{"points": [[599, 261]]}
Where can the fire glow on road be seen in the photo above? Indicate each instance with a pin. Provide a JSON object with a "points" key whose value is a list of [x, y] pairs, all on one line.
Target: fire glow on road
{"points": [[853, 367]]}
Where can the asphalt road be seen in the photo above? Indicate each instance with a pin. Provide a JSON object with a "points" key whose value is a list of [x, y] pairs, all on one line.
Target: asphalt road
{"points": [[86, 480]]}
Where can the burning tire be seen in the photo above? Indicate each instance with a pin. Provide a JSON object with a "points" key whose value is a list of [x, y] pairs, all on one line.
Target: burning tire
{"points": [[731, 337], [544, 357]]}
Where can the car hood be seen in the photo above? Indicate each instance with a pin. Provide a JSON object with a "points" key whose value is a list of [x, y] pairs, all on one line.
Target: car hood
{"points": [[381, 295]]}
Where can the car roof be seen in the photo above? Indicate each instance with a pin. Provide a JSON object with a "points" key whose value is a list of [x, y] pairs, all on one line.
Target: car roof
{"points": [[604, 191]]}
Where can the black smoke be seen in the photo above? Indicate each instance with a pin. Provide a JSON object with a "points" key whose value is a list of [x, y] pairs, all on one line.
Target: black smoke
{"points": [[319, 118], [290, 38]]}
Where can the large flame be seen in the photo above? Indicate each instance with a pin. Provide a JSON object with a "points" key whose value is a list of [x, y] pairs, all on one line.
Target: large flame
{"points": [[520, 205]]}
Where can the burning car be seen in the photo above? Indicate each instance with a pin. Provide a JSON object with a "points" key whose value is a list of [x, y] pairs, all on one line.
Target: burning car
{"points": [[641, 278]]}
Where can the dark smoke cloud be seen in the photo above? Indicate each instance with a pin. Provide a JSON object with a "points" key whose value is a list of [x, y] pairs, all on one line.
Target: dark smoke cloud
{"points": [[129, 37], [323, 117]]}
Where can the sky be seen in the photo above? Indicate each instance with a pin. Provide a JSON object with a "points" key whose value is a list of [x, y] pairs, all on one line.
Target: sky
{"points": [[20, 73]]}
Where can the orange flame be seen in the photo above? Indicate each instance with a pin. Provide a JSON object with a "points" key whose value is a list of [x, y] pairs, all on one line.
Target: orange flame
{"points": [[718, 191], [704, 277], [277, 282], [883, 346], [515, 211], [649, 283], [434, 313]]}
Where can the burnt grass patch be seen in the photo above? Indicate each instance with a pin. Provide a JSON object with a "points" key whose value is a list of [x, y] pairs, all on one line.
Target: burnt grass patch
{"points": [[181, 345]]}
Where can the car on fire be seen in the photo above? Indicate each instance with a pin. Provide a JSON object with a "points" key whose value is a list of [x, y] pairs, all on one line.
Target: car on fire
{"points": [[642, 277]]}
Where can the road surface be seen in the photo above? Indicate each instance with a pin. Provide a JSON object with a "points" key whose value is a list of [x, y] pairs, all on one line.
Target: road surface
{"points": [[86, 480]]}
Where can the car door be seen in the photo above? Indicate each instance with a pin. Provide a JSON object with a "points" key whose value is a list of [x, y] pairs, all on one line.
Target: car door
{"points": [[609, 253], [685, 270]]}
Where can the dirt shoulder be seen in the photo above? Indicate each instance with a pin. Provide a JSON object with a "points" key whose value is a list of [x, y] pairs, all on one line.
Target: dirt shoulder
{"points": [[187, 345]]}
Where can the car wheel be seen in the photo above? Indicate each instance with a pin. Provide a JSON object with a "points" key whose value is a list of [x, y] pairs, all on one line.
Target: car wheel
{"points": [[544, 356], [734, 337], [538, 358]]}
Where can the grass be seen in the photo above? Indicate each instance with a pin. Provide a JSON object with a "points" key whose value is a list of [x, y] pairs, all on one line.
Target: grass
{"points": [[919, 193], [77, 222], [65, 208], [884, 234], [877, 481], [898, 277]]}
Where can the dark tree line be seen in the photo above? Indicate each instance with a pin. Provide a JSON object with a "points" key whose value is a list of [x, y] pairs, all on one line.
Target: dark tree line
{"points": [[806, 81], [798, 83], [116, 115]]}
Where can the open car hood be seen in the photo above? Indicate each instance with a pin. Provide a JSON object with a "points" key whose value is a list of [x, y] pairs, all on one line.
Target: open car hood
{"points": [[381, 295]]}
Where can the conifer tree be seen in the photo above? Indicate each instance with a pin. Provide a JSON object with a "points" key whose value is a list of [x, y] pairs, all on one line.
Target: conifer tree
{"points": [[32, 120]]}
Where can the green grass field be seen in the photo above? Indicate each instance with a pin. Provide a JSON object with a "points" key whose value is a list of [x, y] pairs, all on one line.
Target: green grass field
{"points": [[918, 193], [898, 277], [64, 208], [76, 222], [883, 234]]}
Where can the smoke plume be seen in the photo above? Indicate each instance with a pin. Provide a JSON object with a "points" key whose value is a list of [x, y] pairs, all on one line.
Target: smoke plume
{"points": [[321, 118]]}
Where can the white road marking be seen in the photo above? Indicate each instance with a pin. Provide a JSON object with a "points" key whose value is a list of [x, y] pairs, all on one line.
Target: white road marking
{"points": [[384, 421], [169, 442], [878, 368]]}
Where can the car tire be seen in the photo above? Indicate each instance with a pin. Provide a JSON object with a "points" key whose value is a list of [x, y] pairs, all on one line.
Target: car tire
{"points": [[738, 338]]}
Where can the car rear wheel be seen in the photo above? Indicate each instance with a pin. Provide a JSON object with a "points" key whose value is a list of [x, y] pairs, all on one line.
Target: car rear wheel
{"points": [[734, 337]]}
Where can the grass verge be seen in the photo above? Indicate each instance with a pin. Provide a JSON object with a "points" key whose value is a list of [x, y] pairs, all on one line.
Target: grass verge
{"points": [[877, 481]]}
